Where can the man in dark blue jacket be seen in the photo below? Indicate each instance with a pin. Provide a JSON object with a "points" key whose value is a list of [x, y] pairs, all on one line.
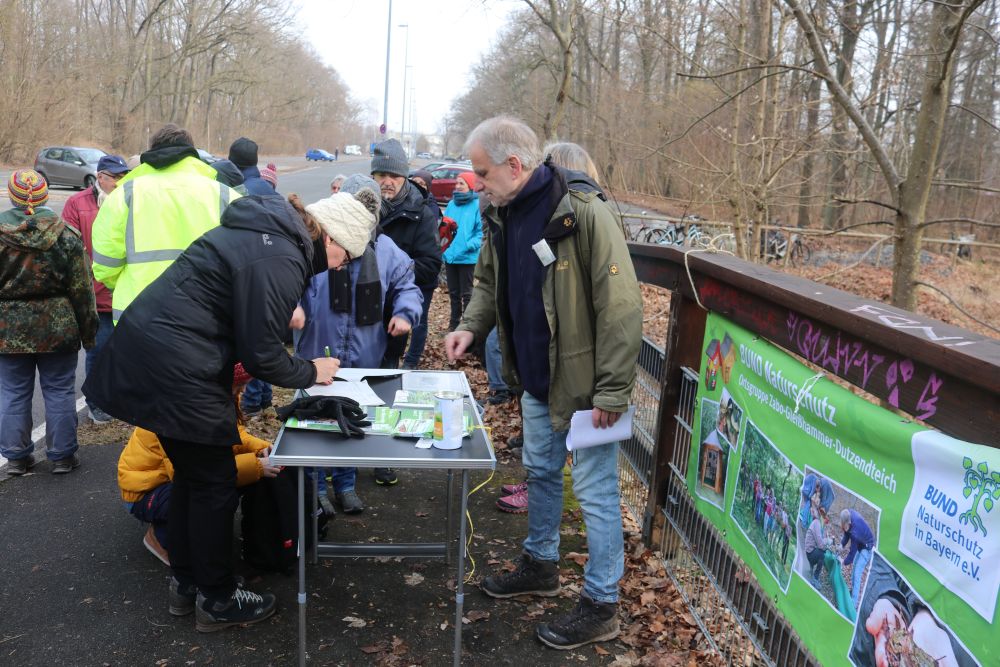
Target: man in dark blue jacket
{"points": [[859, 535], [243, 153]]}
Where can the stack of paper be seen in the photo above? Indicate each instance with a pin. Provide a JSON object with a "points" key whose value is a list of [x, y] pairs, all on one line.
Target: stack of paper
{"points": [[582, 433]]}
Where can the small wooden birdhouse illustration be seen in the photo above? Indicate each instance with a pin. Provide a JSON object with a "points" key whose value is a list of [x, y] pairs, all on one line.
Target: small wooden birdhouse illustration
{"points": [[714, 354]]}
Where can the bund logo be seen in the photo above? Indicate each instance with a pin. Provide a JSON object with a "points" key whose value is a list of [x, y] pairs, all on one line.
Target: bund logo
{"points": [[613, 269], [986, 486]]}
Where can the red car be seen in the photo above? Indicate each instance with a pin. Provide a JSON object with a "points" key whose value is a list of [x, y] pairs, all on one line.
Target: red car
{"points": [[444, 180]]}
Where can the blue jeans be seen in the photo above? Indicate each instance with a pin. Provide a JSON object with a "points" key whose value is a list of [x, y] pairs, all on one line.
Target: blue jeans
{"points": [[343, 479], [256, 395], [494, 362], [419, 336], [595, 484], [105, 327], [57, 377], [861, 560]]}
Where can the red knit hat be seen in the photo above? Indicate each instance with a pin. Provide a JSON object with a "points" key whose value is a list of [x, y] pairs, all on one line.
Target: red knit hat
{"points": [[470, 179], [240, 376], [27, 189]]}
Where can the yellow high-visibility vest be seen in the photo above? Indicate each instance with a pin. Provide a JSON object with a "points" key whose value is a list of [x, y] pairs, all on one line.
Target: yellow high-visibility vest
{"points": [[149, 220]]}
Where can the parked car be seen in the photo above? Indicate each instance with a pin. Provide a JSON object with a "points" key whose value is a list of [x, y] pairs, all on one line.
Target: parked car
{"points": [[444, 180], [206, 157], [352, 149], [424, 155], [431, 166], [318, 154], [68, 165]]}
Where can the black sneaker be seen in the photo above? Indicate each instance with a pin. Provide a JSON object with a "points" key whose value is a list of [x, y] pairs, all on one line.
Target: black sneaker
{"points": [[532, 577], [63, 466], [515, 441], [385, 477], [181, 597], [589, 622], [18, 467], [243, 608]]}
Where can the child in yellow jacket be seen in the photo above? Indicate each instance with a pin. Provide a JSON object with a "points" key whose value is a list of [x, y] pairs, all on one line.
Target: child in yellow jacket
{"points": [[145, 475]]}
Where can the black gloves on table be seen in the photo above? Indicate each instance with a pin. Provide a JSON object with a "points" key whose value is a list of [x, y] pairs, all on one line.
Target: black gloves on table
{"points": [[349, 414]]}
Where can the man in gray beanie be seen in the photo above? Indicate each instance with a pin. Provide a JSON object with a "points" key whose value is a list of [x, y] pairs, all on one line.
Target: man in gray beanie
{"points": [[411, 224]]}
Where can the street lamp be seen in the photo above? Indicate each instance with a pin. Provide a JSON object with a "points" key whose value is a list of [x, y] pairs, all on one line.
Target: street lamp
{"points": [[406, 61], [385, 99]]}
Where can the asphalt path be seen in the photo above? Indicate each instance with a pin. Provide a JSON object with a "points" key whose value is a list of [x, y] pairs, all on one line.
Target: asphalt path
{"points": [[309, 180]]}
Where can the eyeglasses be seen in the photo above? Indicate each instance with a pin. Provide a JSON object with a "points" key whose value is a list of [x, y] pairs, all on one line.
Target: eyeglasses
{"points": [[116, 177]]}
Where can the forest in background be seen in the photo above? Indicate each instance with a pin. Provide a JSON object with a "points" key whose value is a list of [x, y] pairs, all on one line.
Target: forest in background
{"points": [[879, 116], [827, 114], [112, 72]]}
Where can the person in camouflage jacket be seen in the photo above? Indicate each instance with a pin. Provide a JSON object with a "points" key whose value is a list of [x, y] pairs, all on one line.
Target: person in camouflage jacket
{"points": [[47, 310]]}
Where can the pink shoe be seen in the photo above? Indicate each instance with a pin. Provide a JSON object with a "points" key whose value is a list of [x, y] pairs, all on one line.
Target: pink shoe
{"points": [[511, 489], [515, 504]]}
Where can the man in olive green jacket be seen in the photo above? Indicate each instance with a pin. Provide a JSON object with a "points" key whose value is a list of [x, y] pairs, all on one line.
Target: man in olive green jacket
{"points": [[556, 279]]}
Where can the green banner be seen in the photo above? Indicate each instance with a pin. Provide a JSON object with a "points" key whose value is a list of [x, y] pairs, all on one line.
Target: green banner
{"points": [[876, 537]]}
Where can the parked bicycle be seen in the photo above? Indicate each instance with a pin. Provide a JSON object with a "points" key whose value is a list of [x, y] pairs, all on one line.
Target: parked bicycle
{"points": [[775, 246]]}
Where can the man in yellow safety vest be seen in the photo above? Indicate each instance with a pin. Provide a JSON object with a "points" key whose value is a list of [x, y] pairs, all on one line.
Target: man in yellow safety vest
{"points": [[154, 214]]}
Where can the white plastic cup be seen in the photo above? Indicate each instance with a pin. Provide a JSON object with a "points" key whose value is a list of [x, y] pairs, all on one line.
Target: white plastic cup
{"points": [[448, 417]]}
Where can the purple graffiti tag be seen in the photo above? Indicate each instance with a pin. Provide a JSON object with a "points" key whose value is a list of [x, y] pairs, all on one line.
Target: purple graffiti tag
{"points": [[929, 403], [898, 370], [791, 323], [868, 362]]}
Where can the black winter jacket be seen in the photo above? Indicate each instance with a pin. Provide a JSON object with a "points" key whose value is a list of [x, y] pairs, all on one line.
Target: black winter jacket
{"points": [[168, 366], [414, 228]]}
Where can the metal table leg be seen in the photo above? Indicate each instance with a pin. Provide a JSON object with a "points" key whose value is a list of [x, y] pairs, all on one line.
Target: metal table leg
{"points": [[459, 586], [449, 529], [302, 569]]}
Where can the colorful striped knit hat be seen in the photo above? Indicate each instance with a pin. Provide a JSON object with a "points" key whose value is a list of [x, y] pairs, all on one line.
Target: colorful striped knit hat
{"points": [[270, 174], [27, 189]]}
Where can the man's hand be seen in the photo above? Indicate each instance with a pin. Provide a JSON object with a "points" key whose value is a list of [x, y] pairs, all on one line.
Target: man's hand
{"points": [[604, 418], [456, 343], [880, 624], [398, 326], [298, 318], [326, 368]]}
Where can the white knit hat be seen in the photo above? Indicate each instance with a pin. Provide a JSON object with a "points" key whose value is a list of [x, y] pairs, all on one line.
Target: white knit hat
{"points": [[345, 220]]}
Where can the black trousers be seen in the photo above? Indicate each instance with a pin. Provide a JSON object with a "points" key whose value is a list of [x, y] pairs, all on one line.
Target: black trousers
{"points": [[200, 518], [459, 290]]}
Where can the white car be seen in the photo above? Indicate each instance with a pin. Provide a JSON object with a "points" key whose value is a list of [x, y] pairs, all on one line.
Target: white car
{"points": [[352, 149]]}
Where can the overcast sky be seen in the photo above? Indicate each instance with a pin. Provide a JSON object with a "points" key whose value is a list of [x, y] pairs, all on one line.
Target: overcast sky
{"points": [[446, 38]]}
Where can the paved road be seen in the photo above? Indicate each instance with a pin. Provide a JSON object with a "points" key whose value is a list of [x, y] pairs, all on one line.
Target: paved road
{"points": [[310, 180]]}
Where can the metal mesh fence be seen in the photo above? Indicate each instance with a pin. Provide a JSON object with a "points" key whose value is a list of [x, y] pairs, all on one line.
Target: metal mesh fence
{"points": [[636, 455], [736, 619]]}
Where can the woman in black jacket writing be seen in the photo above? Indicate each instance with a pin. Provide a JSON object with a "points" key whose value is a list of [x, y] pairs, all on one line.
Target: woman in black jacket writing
{"points": [[168, 368]]}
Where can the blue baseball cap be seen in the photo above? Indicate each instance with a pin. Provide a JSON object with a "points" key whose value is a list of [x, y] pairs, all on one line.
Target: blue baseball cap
{"points": [[113, 164]]}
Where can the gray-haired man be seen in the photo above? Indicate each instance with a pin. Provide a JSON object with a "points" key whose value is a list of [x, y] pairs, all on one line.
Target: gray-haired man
{"points": [[556, 279]]}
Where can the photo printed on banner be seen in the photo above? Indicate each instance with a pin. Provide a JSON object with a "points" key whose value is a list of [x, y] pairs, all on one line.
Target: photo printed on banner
{"points": [[838, 533], [897, 627], [766, 498], [713, 456]]}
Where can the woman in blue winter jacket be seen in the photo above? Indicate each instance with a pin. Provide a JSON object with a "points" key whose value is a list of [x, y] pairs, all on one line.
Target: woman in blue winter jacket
{"points": [[342, 308], [463, 252]]}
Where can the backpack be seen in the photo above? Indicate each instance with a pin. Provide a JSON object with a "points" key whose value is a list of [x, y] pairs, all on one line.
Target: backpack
{"points": [[270, 521]]}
